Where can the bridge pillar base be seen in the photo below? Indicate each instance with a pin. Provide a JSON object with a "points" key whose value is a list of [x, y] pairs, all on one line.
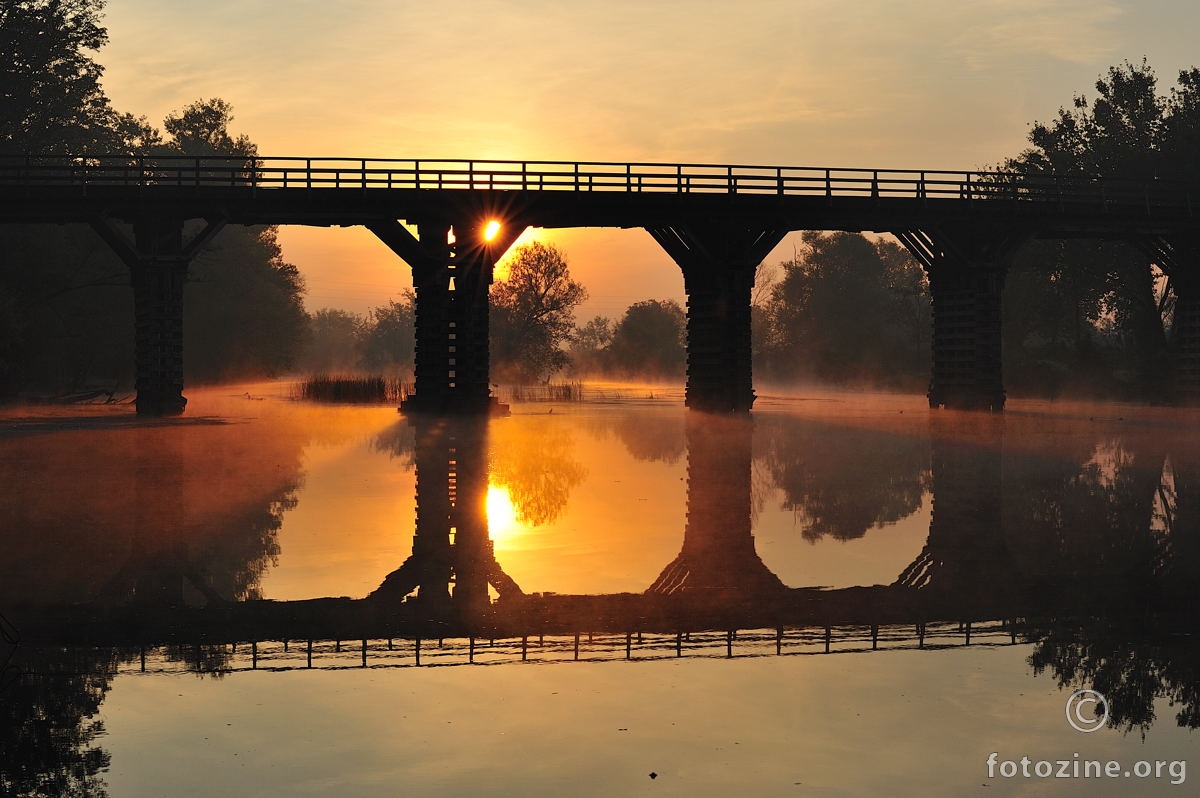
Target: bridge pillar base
{"points": [[967, 370], [158, 308], [718, 263], [158, 259], [966, 269]]}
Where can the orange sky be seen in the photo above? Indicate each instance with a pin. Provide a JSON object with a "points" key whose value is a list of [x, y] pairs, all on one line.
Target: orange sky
{"points": [[933, 84]]}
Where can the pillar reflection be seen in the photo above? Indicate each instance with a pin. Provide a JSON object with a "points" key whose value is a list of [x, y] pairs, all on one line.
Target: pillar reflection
{"points": [[718, 558], [452, 563], [965, 559]]}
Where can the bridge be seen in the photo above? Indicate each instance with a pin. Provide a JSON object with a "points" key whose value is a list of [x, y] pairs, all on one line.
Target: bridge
{"points": [[716, 222]]}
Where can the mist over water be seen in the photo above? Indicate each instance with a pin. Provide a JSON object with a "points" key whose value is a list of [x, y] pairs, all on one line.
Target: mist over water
{"points": [[1045, 512]]}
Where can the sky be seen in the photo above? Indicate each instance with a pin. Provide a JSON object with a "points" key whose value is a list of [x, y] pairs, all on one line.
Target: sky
{"points": [[889, 84]]}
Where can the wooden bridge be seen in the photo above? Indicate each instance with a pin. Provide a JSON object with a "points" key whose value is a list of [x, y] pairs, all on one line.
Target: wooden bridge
{"points": [[716, 222]]}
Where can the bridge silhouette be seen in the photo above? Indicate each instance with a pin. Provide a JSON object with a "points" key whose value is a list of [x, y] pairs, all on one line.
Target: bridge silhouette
{"points": [[716, 222]]}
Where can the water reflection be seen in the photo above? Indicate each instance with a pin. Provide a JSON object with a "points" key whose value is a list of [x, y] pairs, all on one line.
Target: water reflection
{"points": [[1075, 535], [452, 562], [1134, 661], [49, 732], [718, 560], [534, 468], [164, 514], [842, 481]]}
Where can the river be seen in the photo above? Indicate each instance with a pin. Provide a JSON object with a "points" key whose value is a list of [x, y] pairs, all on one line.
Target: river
{"points": [[846, 594]]}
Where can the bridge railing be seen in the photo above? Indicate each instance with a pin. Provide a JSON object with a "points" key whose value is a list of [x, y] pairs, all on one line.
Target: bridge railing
{"points": [[81, 174]]}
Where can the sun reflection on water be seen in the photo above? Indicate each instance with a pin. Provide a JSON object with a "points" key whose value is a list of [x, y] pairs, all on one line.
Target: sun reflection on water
{"points": [[503, 525]]}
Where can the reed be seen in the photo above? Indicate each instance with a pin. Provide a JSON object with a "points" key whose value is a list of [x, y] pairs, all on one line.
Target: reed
{"points": [[547, 392], [375, 389]]}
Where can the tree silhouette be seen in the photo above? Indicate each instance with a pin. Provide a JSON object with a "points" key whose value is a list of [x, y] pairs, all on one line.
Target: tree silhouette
{"points": [[849, 309], [389, 339], [533, 313], [48, 726], [51, 100], [649, 340], [1127, 130], [843, 481]]}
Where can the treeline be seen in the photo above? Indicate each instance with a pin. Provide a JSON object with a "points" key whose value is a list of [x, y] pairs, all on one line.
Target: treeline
{"points": [[534, 333], [844, 309], [380, 342], [66, 306]]}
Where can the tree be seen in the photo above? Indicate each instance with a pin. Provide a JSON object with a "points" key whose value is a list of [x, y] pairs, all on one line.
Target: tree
{"points": [[1131, 131], [65, 310], [650, 340], [51, 102], [389, 336], [202, 129], [850, 309], [334, 343], [244, 312], [533, 313], [589, 343], [243, 309]]}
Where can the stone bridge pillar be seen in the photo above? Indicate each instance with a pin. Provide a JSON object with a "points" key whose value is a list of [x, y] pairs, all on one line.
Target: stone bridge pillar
{"points": [[452, 265], [158, 258], [966, 267], [718, 262]]}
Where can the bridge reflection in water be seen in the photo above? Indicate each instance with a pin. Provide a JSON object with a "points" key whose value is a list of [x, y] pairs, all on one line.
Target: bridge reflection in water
{"points": [[1021, 540], [1080, 542]]}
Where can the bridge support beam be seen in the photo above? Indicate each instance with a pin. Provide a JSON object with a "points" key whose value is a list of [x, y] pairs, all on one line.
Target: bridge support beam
{"points": [[452, 265], [966, 267], [1179, 258], [719, 261], [158, 258]]}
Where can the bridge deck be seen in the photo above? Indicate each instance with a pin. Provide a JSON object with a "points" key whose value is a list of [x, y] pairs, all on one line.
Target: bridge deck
{"points": [[337, 191]]}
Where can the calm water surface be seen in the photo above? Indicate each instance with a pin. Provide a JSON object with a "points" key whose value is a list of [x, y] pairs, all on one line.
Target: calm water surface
{"points": [[844, 595]]}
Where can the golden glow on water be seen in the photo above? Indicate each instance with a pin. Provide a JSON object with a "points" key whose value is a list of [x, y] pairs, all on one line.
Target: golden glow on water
{"points": [[503, 525], [296, 501], [259, 494]]}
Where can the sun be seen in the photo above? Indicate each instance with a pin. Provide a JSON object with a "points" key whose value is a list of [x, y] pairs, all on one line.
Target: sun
{"points": [[491, 230], [503, 525]]}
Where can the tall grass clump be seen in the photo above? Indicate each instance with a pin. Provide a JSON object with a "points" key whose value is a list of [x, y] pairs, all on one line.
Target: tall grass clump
{"points": [[358, 390], [547, 392]]}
